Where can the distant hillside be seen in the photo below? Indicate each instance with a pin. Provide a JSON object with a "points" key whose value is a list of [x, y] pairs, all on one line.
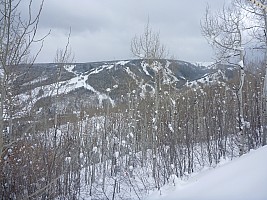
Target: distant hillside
{"points": [[92, 84]]}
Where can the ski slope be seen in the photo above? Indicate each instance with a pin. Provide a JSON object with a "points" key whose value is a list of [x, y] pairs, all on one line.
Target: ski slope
{"points": [[244, 178]]}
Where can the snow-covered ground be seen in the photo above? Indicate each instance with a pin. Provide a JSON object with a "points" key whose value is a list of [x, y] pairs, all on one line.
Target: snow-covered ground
{"points": [[204, 64], [244, 178]]}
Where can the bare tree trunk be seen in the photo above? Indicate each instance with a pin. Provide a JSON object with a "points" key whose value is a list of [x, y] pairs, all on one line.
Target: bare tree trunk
{"points": [[3, 95], [240, 100], [264, 136]]}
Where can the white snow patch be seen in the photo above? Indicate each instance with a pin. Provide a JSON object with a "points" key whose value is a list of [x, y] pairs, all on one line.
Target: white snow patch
{"points": [[99, 69], [131, 134], [68, 159], [156, 66], [208, 79], [127, 69], [122, 62], [244, 178], [94, 149], [204, 64], [69, 68], [241, 64], [38, 80], [116, 154], [170, 127], [144, 67], [168, 76], [1, 72]]}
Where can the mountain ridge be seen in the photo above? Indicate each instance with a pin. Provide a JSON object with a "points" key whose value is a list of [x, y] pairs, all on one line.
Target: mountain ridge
{"points": [[94, 84]]}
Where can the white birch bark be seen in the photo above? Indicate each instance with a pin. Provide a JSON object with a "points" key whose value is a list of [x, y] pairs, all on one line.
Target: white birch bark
{"points": [[240, 100], [2, 113], [264, 136]]}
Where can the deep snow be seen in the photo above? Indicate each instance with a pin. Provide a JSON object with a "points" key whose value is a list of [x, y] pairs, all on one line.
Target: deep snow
{"points": [[244, 178]]}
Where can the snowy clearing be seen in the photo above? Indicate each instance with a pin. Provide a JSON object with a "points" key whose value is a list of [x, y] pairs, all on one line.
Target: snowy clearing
{"points": [[244, 178]]}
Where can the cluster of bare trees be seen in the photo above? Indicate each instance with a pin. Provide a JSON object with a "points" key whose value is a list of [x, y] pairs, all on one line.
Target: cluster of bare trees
{"points": [[113, 154], [16, 37], [140, 146], [30, 163], [238, 28]]}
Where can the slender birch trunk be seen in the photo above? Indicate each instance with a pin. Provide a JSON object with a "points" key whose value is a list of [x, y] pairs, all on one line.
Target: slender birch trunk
{"points": [[240, 100], [264, 95], [2, 114]]}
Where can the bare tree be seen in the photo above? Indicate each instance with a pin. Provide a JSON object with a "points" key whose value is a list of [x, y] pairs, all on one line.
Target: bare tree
{"points": [[257, 9], [16, 37], [63, 57], [225, 33], [148, 46]]}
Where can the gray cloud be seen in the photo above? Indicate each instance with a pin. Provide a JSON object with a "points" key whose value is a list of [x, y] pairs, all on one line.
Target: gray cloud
{"points": [[103, 29]]}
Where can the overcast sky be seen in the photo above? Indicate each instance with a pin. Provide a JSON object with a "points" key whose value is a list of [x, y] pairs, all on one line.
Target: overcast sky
{"points": [[103, 29]]}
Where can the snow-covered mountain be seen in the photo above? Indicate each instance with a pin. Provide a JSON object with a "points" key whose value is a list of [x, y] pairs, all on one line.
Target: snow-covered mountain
{"points": [[93, 84]]}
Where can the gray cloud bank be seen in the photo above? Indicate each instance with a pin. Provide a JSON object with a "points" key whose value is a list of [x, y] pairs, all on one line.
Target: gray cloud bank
{"points": [[103, 29]]}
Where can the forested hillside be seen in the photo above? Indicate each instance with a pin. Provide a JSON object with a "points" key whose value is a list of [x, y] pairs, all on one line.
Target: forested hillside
{"points": [[128, 148], [121, 129]]}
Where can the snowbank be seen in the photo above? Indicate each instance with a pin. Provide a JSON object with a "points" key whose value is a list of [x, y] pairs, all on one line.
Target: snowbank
{"points": [[244, 178]]}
